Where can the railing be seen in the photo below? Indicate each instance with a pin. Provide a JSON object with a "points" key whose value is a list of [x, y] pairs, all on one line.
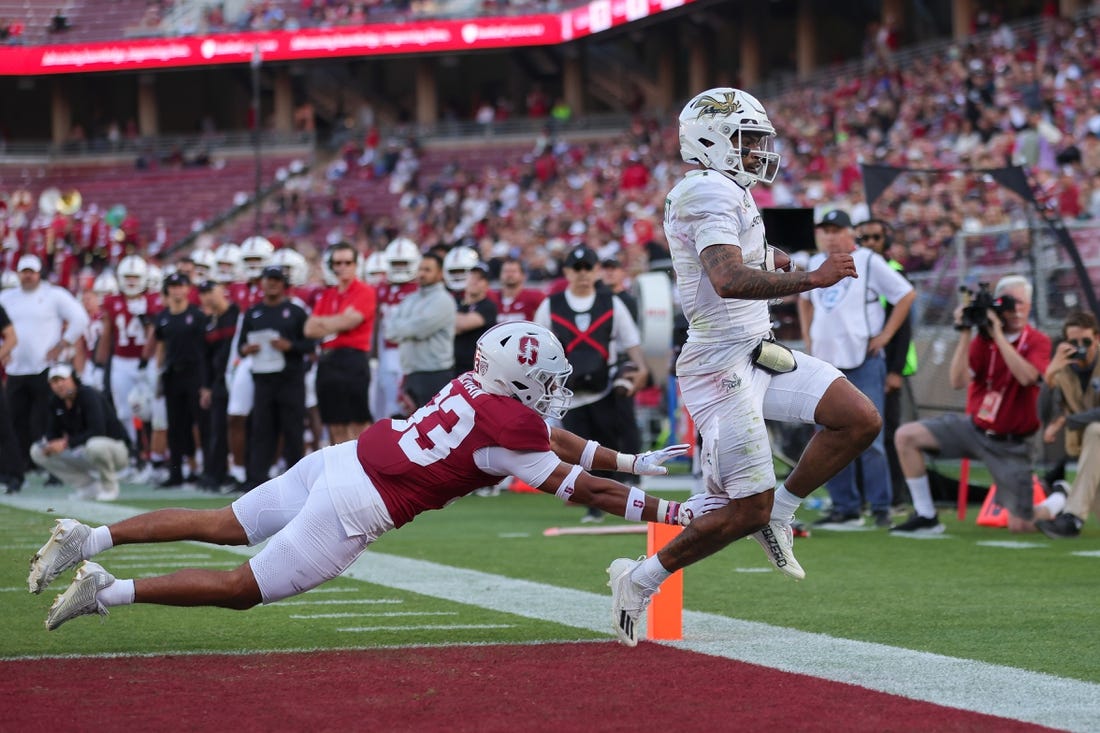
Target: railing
{"points": [[153, 148]]}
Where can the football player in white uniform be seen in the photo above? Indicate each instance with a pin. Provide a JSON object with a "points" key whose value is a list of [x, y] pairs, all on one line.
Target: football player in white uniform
{"points": [[731, 373]]}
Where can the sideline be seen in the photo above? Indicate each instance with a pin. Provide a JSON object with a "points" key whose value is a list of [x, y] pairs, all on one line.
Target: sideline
{"points": [[1008, 692]]}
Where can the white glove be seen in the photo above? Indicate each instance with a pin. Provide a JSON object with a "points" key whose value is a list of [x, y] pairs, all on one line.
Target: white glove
{"points": [[700, 504], [649, 463]]}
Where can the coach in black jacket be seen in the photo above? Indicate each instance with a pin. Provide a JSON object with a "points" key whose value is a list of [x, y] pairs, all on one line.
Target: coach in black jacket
{"points": [[272, 332], [85, 444]]}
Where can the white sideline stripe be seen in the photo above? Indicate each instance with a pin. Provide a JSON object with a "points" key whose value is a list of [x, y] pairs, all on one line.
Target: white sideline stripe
{"points": [[1034, 697], [22, 588], [426, 627], [391, 614], [1087, 553], [752, 570]]}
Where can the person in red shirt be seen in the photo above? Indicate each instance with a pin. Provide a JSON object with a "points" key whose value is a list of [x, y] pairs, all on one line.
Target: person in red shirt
{"points": [[1001, 370], [319, 516], [514, 302], [343, 318]]}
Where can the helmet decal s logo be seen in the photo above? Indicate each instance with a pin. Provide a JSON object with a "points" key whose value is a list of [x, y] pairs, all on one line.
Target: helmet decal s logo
{"points": [[708, 105], [528, 351]]}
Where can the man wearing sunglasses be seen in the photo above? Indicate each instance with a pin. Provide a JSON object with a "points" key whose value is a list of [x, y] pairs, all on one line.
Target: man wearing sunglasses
{"points": [[343, 319], [1074, 376]]}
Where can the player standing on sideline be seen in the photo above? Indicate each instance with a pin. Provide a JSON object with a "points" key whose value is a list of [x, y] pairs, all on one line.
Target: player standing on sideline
{"points": [[732, 374], [127, 328], [515, 302], [402, 262], [324, 512]]}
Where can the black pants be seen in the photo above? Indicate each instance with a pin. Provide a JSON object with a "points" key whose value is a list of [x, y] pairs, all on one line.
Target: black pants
{"points": [[11, 466], [422, 386], [181, 400], [28, 401], [215, 453], [279, 408]]}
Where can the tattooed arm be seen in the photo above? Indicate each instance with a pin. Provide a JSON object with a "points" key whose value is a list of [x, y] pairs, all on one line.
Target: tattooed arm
{"points": [[732, 278]]}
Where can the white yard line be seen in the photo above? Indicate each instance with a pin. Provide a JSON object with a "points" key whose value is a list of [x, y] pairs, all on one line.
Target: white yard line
{"points": [[425, 627], [966, 684]]}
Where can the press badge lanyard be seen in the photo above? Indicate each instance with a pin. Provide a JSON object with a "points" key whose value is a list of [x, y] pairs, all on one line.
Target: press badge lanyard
{"points": [[991, 403]]}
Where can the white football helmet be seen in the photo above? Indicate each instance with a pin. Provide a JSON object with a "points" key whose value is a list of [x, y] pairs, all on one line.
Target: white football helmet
{"points": [[133, 276], [227, 263], [294, 265], [373, 268], [527, 362], [457, 264], [205, 264], [154, 279], [255, 255], [105, 284], [402, 260], [726, 130]]}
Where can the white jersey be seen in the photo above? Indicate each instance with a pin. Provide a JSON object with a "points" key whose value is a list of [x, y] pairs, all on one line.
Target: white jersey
{"points": [[704, 209]]}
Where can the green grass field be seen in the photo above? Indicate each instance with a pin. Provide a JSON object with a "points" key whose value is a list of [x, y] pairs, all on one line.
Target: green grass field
{"points": [[976, 593]]}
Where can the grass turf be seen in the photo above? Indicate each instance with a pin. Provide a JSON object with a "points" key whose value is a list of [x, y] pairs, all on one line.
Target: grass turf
{"points": [[1015, 606]]}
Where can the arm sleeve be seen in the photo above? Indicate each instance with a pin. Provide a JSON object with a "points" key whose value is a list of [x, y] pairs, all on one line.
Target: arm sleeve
{"points": [[887, 281], [532, 468], [706, 210]]}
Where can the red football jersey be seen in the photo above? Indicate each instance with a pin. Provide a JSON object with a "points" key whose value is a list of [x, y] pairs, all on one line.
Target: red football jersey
{"points": [[389, 295], [520, 308], [244, 295], [427, 461], [128, 318]]}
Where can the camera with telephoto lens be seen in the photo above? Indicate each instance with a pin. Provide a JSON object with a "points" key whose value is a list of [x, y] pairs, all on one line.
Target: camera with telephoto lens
{"points": [[976, 307]]}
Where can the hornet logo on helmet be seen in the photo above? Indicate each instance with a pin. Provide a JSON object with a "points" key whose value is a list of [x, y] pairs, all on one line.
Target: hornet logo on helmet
{"points": [[708, 105], [528, 350]]}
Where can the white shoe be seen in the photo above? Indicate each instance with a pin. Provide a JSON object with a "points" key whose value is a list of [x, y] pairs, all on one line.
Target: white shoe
{"points": [[61, 552], [777, 539], [107, 494], [628, 600], [79, 599]]}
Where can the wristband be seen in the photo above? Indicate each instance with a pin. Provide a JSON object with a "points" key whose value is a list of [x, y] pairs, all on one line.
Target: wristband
{"points": [[662, 511], [588, 454], [635, 503], [624, 462]]}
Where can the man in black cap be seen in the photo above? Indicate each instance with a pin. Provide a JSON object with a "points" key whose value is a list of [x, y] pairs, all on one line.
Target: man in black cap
{"points": [[179, 338], [595, 327], [273, 334]]}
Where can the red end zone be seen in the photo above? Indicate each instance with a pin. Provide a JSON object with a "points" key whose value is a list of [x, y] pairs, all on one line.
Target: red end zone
{"points": [[561, 687]]}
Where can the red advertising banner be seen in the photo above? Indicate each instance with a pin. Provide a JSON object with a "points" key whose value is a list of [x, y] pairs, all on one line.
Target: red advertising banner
{"points": [[431, 36]]}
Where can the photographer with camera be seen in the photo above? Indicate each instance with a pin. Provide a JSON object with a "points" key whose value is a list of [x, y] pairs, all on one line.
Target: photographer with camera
{"points": [[1074, 376], [1001, 370]]}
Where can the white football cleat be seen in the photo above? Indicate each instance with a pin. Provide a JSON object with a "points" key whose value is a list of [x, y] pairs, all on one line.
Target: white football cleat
{"points": [[61, 552], [79, 599], [628, 600], [777, 539]]}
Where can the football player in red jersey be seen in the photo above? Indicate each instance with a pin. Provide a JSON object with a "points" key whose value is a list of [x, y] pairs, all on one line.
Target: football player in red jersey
{"points": [[402, 260], [319, 516], [127, 328], [515, 302]]}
